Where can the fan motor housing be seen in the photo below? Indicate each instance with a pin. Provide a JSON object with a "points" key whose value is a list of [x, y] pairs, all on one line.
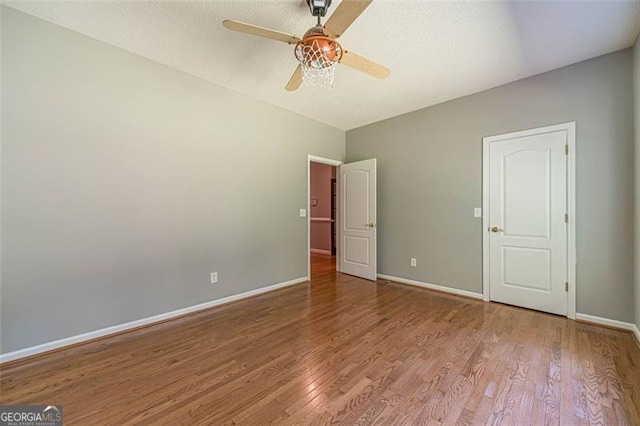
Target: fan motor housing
{"points": [[319, 7]]}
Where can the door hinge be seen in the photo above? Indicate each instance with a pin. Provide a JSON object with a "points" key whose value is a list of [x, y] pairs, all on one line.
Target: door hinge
{"points": [[566, 149], [566, 287], [566, 218]]}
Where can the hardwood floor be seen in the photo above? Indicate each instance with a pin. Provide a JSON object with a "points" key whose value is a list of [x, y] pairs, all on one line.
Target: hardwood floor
{"points": [[344, 350]]}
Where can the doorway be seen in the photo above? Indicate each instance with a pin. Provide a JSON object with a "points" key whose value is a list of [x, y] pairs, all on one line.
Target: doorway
{"points": [[529, 219], [352, 218], [323, 215]]}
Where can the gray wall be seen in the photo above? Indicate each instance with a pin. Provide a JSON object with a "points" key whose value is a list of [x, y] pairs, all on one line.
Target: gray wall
{"points": [[430, 176], [1, 173], [125, 183], [636, 109]]}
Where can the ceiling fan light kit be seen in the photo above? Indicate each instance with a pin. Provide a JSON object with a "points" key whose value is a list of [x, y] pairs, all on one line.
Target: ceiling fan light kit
{"points": [[318, 52], [319, 7]]}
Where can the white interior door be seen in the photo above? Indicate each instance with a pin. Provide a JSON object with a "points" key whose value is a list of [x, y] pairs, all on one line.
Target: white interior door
{"points": [[527, 221], [357, 232]]}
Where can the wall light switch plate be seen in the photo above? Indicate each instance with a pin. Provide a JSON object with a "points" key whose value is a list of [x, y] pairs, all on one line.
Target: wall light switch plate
{"points": [[413, 262], [303, 212], [477, 212]]}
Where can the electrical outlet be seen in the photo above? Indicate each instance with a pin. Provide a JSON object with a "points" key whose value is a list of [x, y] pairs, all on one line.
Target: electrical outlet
{"points": [[214, 277], [477, 212], [413, 262]]}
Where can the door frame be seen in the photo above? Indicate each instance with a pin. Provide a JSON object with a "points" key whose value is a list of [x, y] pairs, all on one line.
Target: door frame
{"points": [[570, 128], [331, 162]]}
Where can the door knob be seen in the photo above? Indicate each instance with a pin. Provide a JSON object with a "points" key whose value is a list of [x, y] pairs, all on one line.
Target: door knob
{"points": [[496, 229], [371, 225]]}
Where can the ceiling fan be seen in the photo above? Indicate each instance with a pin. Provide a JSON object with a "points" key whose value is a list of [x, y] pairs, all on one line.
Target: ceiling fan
{"points": [[319, 51]]}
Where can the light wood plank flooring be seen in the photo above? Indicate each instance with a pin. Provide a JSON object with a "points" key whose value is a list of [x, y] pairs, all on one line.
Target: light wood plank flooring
{"points": [[344, 350]]}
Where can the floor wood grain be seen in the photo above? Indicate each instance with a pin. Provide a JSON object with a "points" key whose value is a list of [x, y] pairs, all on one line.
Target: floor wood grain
{"points": [[343, 350]]}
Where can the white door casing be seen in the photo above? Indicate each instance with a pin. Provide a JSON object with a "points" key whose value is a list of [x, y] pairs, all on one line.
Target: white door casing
{"points": [[526, 234], [357, 229]]}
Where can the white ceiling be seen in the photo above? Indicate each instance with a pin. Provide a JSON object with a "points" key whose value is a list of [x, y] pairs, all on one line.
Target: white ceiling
{"points": [[436, 51]]}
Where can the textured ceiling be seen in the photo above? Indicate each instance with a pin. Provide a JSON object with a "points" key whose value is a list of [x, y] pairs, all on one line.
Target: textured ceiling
{"points": [[436, 51]]}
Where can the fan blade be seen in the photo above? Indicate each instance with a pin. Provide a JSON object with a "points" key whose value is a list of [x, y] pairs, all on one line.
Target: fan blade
{"points": [[346, 13], [260, 31], [295, 80], [364, 65]]}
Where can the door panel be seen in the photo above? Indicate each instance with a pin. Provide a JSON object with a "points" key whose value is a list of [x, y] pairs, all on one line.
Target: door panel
{"points": [[357, 252], [526, 193], [527, 268], [356, 190], [528, 232]]}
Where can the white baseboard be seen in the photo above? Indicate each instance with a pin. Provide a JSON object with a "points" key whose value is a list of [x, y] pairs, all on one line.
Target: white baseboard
{"points": [[610, 323], [636, 331], [56, 344], [432, 286], [320, 251]]}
